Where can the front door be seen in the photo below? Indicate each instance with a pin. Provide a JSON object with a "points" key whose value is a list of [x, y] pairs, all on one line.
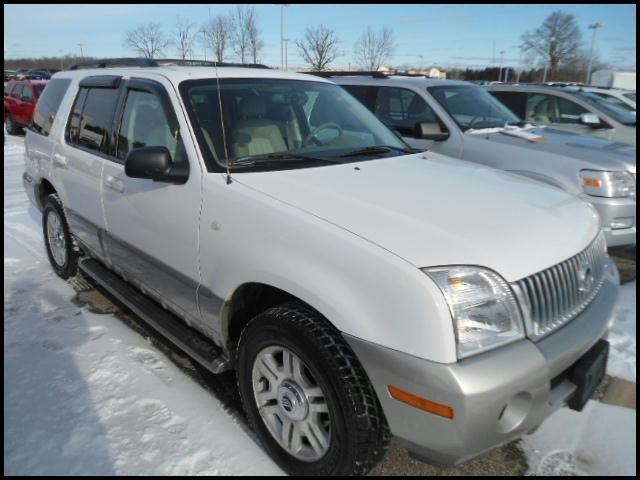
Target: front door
{"points": [[152, 227]]}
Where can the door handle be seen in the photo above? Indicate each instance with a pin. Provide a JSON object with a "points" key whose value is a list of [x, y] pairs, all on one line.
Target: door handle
{"points": [[114, 184], [59, 160]]}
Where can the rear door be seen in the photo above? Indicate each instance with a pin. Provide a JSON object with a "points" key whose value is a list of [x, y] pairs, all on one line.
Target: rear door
{"points": [[79, 159], [152, 235]]}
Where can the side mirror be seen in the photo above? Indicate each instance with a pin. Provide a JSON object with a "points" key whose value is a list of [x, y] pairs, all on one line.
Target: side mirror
{"points": [[590, 119], [154, 163], [430, 131]]}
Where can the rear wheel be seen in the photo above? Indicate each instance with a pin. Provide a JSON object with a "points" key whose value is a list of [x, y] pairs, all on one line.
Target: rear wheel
{"points": [[60, 245], [12, 127], [307, 396]]}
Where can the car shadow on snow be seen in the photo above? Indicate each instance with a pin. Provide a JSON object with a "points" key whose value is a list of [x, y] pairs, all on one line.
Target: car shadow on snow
{"points": [[51, 426]]}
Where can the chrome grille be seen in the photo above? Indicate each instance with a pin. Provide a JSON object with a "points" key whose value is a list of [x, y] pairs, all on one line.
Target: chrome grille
{"points": [[551, 298]]}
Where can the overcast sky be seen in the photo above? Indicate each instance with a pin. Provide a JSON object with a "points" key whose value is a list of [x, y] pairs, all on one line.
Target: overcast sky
{"points": [[445, 35]]}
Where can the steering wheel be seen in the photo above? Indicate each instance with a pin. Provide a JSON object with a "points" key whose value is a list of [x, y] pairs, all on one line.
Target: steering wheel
{"points": [[312, 135], [474, 119]]}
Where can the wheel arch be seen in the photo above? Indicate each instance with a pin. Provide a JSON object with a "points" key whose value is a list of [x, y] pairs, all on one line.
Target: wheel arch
{"points": [[43, 190]]}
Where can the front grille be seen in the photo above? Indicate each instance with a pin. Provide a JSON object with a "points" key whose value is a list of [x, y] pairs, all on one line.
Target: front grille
{"points": [[551, 298]]}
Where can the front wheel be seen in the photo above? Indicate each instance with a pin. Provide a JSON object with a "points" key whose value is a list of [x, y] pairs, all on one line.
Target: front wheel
{"points": [[307, 396]]}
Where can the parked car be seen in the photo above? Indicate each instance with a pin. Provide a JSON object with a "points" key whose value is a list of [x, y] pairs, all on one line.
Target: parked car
{"points": [[20, 98], [266, 221], [462, 120], [570, 109], [618, 97]]}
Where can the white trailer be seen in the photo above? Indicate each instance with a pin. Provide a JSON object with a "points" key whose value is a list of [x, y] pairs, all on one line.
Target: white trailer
{"points": [[614, 79]]}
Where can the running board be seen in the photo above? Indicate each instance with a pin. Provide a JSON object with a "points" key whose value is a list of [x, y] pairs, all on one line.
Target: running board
{"points": [[196, 345]]}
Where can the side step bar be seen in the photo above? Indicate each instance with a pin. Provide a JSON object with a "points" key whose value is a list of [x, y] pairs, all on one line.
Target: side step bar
{"points": [[196, 345]]}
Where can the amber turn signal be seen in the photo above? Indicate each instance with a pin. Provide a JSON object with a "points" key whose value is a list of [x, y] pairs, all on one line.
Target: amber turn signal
{"points": [[421, 403]]}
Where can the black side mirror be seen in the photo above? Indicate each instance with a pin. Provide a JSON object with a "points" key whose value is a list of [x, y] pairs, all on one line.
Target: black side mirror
{"points": [[154, 163], [430, 131]]}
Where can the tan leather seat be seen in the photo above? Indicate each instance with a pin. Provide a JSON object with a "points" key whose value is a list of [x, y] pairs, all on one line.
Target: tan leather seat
{"points": [[255, 134]]}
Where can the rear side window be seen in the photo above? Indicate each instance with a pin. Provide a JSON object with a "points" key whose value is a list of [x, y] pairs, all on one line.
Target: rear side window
{"points": [[362, 93], [48, 105], [95, 118], [516, 101]]}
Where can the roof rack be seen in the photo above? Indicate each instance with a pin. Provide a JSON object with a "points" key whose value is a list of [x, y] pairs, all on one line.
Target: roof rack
{"points": [[151, 62], [347, 74]]}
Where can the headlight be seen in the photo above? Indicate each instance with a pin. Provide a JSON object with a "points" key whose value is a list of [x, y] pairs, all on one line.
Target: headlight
{"points": [[600, 183], [484, 310]]}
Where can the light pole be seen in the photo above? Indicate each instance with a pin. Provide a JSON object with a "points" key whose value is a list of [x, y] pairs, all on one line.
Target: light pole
{"points": [[594, 27], [203, 32], [81, 53], [547, 62], [286, 43], [282, 5], [520, 47], [501, 60]]}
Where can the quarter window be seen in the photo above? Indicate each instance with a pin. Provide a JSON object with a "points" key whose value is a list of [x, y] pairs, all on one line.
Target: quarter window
{"points": [[27, 94], [48, 104]]}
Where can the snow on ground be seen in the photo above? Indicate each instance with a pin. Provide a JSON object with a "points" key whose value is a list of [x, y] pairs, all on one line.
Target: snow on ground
{"points": [[599, 441], [84, 393], [622, 359]]}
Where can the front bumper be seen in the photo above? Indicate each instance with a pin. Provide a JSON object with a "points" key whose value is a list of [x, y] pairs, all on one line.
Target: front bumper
{"points": [[611, 211], [497, 396]]}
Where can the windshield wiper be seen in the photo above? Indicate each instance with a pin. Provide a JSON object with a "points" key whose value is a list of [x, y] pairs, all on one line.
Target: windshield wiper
{"points": [[374, 150], [277, 158]]}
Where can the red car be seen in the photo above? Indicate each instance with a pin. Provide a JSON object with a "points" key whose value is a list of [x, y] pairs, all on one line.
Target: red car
{"points": [[20, 98]]}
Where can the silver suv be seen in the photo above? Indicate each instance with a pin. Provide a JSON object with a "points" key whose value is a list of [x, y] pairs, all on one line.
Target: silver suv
{"points": [[463, 120]]}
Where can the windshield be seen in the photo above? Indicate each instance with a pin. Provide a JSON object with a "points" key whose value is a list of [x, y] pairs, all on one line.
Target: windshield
{"points": [[631, 96], [473, 107], [622, 115], [615, 101], [284, 124]]}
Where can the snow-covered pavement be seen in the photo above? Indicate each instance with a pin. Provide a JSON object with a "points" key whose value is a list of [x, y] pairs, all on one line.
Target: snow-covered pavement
{"points": [[85, 394]]}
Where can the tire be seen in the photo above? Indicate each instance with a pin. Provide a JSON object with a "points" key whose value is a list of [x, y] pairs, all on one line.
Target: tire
{"points": [[12, 127], [63, 253], [358, 435]]}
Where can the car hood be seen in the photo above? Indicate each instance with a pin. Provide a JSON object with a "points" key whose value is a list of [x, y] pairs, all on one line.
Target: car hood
{"points": [[592, 152], [430, 209]]}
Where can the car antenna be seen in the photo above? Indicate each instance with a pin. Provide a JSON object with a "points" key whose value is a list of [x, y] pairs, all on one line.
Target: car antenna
{"points": [[224, 136]]}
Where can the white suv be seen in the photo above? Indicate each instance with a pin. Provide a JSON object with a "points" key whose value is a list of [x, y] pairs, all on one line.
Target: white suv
{"points": [[268, 222]]}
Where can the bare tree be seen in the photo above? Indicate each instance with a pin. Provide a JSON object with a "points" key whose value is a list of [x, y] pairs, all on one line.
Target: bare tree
{"points": [[555, 42], [184, 38], [255, 43], [319, 47], [218, 35], [148, 40], [241, 30], [373, 49]]}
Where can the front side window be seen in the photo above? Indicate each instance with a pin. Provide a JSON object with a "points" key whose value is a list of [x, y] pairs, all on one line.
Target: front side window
{"points": [[472, 107], [27, 94], [543, 108], [144, 124], [48, 104], [401, 109], [96, 119], [17, 91], [294, 123]]}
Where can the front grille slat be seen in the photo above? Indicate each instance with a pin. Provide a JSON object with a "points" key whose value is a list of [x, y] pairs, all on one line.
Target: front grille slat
{"points": [[554, 295]]}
